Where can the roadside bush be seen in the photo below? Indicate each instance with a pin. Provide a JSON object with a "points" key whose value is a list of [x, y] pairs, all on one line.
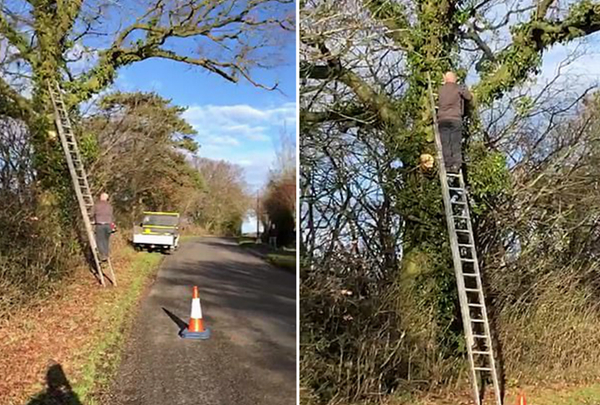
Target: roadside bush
{"points": [[35, 252]]}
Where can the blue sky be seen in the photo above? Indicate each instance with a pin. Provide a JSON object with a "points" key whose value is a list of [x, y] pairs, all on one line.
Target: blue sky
{"points": [[239, 122]]}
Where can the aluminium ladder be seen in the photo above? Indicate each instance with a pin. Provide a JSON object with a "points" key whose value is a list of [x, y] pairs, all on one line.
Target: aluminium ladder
{"points": [[78, 175], [467, 272]]}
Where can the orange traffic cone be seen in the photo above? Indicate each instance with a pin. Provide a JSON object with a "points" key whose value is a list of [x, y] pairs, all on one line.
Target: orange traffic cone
{"points": [[521, 399], [195, 329]]}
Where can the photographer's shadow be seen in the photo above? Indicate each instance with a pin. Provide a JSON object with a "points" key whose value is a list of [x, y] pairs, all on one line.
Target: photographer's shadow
{"points": [[58, 391]]}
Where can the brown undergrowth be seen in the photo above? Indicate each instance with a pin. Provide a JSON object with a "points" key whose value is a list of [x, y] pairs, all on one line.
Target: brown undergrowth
{"points": [[70, 327]]}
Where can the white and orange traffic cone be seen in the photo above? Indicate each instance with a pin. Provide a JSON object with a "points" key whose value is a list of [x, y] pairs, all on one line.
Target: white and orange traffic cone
{"points": [[195, 329], [521, 399]]}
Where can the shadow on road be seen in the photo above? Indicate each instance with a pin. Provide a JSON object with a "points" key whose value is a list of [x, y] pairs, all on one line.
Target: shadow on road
{"points": [[178, 321], [247, 288], [58, 392], [250, 308], [262, 248]]}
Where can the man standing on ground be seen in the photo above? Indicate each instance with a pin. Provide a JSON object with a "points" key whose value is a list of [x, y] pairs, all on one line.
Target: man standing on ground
{"points": [[103, 219], [451, 109]]}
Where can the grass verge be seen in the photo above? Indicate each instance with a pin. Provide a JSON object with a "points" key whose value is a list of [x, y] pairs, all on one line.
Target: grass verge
{"points": [[555, 395], [538, 395], [103, 354], [287, 262], [589, 395], [80, 328], [246, 241], [282, 258]]}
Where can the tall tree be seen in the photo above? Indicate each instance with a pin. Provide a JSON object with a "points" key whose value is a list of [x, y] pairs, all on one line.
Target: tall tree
{"points": [[383, 87], [137, 145], [366, 119], [225, 202], [228, 38]]}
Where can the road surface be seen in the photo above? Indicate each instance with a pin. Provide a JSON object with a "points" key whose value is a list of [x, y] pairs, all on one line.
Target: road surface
{"points": [[250, 308]]}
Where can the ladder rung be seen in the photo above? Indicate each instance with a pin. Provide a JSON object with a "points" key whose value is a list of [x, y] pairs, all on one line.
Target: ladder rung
{"points": [[472, 290], [460, 217], [462, 230], [478, 320], [482, 369], [476, 305], [480, 336], [465, 245], [467, 260], [458, 202], [456, 188], [470, 274], [480, 352], [452, 175]]}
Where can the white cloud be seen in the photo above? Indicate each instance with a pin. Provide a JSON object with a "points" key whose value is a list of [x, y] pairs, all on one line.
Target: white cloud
{"points": [[242, 121], [241, 112], [259, 137], [256, 164], [242, 134], [225, 140]]}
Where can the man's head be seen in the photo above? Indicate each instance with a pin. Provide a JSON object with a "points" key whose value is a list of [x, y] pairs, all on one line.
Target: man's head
{"points": [[449, 77], [103, 197]]}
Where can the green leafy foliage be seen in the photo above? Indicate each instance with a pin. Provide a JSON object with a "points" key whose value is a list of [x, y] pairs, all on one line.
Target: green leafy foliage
{"points": [[426, 34], [137, 153], [489, 177]]}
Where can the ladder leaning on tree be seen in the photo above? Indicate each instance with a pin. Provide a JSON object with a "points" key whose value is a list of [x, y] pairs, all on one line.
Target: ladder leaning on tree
{"points": [[78, 175], [468, 276]]}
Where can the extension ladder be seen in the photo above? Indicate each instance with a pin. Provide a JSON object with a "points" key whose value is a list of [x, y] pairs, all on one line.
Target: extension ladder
{"points": [[78, 175], [468, 276]]}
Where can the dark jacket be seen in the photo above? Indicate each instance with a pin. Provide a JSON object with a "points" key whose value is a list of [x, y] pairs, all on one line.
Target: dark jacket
{"points": [[102, 213], [452, 98]]}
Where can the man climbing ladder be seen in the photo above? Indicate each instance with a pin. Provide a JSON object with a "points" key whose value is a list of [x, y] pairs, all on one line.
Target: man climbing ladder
{"points": [[102, 214], [79, 178], [451, 108], [462, 240]]}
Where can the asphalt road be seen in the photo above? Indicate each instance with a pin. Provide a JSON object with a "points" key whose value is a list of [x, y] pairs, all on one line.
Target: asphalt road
{"points": [[250, 308]]}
